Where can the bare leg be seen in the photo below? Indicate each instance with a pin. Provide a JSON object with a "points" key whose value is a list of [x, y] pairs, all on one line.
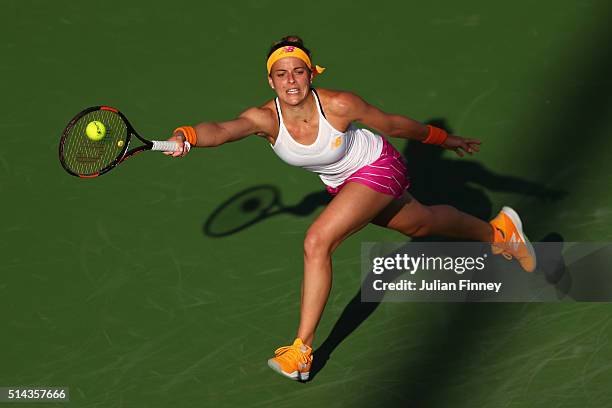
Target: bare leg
{"points": [[412, 218], [353, 208]]}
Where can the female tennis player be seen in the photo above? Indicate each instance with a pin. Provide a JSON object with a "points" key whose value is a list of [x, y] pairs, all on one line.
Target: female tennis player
{"points": [[314, 129]]}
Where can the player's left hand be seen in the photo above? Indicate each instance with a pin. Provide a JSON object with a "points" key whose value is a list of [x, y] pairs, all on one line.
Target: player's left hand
{"points": [[461, 145]]}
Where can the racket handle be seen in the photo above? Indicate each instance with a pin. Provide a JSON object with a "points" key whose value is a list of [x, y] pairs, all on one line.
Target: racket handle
{"points": [[165, 146]]}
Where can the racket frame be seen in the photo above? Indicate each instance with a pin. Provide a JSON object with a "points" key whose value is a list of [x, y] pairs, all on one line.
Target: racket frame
{"points": [[122, 156]]}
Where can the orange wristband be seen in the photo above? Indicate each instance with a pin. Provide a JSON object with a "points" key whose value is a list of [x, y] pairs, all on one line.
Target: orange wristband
{"points": [[435, 136], [190, 134]]}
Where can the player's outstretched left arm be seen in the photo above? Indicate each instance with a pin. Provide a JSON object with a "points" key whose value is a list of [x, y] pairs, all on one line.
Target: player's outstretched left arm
{"points": [[356, 109]]}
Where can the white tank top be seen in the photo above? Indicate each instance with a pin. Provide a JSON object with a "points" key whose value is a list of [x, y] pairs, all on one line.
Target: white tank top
{"points": [[334, 155]]}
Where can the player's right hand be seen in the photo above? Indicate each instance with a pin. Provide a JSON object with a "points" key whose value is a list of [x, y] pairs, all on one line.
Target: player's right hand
{"points": [[184, 147]]}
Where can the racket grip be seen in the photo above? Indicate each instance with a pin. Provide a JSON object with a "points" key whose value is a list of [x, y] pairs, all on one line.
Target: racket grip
{"points": [[165, 146]]}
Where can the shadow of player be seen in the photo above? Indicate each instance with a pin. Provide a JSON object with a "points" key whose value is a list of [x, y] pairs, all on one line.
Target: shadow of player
{"points": [[462, 183], [579, 271], [254, 205]]}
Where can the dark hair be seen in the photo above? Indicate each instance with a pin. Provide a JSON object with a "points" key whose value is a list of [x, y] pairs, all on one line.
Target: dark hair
{"points": [[290, 40]]}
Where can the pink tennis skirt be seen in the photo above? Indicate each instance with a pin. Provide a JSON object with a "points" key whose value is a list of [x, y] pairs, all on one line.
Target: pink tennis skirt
{"points": [[387, 174]]}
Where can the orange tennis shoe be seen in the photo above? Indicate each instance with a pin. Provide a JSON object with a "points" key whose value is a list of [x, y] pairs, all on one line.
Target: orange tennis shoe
{"points": [[510, 240], [292, 361]]}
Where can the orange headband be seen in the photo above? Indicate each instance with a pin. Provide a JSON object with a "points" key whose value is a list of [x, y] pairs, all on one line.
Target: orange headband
{"points": [[291, 51]]}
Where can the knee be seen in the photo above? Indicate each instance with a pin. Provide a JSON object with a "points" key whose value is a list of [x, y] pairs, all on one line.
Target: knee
{"points": [[317, 244], [421, 224]]}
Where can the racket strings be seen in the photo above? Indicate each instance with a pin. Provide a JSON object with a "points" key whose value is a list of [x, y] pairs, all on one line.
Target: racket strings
{"points": [[85, 156]]}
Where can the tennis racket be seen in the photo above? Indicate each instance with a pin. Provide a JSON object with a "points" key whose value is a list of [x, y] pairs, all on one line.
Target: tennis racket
{"points": [[84, 157]]}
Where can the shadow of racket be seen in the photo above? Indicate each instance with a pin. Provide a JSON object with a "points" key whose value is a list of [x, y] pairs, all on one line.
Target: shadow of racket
{"points": [[256, 204]]}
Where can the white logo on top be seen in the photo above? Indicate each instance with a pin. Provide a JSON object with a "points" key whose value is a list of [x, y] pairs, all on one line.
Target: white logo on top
{"points": [[515, 241]]}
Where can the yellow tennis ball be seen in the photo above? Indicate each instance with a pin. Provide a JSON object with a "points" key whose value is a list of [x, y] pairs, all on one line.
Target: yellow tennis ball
{"points": [[120, 143], [95, 130]]}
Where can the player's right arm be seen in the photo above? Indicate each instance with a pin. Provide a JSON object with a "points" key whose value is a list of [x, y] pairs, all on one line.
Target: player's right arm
{"points": [[211, 134]]}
